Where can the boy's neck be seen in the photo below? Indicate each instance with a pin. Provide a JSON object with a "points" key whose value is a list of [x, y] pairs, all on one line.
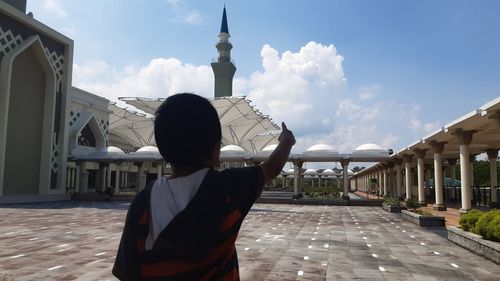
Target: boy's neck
{"points": [[178, 172]]}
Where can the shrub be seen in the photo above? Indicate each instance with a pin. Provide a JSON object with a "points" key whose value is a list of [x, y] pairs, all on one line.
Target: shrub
{"points": [[468, 221], [488, 224], [412, 203], [494, 229], [392, 202]]}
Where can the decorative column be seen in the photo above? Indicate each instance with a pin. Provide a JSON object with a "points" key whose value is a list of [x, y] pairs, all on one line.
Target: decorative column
{"points": [[492, 157], [464, 139], [399, 180], [76, 177], [420, 153], [384, 174], [84, 178], [380, 181], [453, 176], [297, 171], [408, 175], [108, 176], [117, 178], [125, 179], [437, 148], [345, 165], [102, 177]]}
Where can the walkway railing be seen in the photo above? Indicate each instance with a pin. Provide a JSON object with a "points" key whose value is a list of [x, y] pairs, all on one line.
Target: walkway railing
{"points": [[481, 195]]}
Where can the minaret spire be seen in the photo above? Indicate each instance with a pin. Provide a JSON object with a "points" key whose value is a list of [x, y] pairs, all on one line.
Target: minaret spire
{"points": [[223, 26], [224, 68]]}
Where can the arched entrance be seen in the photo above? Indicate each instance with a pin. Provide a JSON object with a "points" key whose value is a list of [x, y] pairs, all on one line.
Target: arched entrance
{"points": [[29, 97]]}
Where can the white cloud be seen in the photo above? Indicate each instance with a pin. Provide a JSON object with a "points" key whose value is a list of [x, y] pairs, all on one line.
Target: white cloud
{"points": [[307, 89], [54, 7], [174, 2], [366, 93], [194, 18], [419, 128], [160, 78]]}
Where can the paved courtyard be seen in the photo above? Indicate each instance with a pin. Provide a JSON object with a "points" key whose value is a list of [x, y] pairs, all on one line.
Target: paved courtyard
{"points": [[78, 240]]}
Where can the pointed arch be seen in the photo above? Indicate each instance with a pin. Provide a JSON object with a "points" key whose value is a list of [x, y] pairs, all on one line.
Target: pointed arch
{"points": [[27, 109]]}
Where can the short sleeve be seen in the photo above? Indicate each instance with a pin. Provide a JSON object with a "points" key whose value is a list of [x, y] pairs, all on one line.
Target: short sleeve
{"points": [[243, 185]]}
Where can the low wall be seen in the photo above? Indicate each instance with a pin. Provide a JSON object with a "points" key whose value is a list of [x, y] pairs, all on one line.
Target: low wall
{"points": [[393, 209], [421, 220], [33, 198], [475, 243]]}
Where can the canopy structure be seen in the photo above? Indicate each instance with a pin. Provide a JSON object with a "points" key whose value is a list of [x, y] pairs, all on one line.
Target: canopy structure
{"points": [[242, 124], [130, 128]]}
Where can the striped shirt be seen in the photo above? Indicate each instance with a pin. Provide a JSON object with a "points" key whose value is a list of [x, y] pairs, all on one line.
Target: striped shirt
{"points": [[199, 242]]}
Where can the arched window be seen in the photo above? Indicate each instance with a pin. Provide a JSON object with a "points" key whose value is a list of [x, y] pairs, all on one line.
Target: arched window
{"points": [[86, 137]]}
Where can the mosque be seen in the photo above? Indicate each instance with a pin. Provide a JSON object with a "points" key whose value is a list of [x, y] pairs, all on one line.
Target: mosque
{"points": [[57, 140]]}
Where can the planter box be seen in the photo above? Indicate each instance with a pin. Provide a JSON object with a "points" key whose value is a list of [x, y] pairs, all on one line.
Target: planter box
{"points": [[423, 220], [393, 209], [475, 243]]}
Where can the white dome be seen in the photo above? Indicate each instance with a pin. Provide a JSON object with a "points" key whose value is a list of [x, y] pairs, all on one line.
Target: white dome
{"points": [[310, 172], [320, 148], [148, 149], [328, 172], [290, 171], [370, 148], [111, 150], [271, 147], [232, 148]]}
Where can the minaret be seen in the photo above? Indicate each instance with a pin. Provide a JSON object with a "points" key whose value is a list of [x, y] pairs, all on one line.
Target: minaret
{"points": [[224, 68]]}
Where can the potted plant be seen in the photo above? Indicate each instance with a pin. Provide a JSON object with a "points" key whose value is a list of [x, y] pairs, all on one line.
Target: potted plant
{"points": [[393, 205]]}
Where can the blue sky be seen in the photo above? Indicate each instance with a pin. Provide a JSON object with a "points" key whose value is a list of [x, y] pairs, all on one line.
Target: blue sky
{"points": [[401, 68]]}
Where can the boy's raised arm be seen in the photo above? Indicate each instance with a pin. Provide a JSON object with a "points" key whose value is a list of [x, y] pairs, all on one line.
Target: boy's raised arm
{"points": [[273, 165]]}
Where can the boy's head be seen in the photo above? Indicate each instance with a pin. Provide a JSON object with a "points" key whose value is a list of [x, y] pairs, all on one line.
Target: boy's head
{"points": [[187, 130]]}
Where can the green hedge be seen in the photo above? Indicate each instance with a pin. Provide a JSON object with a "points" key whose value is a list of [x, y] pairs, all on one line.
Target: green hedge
{"points": [[485, 224], [488, 225], [468, 221], [412, 203]]}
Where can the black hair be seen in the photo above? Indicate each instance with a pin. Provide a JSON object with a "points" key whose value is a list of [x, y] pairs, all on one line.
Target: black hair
{"points": [[187, 128]]}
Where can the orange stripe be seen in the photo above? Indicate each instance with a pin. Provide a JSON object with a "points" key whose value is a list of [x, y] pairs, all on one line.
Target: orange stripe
{"points": [[231, 275], [209, 274], [144, 218], [230, 220], [160, 269], [141, 245]]}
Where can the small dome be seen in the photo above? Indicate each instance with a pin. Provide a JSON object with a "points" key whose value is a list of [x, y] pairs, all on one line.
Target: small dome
{"points": [[112, 150], [310, 172], [328, 172], [271, 147], [232, 148], [290, 171], [370, 148], [321, 148], [148, 149]]}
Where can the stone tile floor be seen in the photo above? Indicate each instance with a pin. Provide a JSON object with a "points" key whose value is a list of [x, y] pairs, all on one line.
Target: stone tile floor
{"points": [[78, 240]]}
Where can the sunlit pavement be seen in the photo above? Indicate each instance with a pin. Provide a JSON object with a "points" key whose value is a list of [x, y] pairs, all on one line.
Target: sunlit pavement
{"points": [[78, 241]]}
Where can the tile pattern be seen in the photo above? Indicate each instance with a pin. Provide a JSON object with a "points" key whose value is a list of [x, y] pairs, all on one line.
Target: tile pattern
{"points": [[78, 241]]}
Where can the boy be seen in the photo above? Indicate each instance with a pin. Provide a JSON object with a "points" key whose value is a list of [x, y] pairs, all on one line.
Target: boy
{"points": [[184, 227]]}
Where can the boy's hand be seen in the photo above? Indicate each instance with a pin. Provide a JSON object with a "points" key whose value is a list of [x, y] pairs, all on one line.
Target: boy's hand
{"points": [[286, 136]]}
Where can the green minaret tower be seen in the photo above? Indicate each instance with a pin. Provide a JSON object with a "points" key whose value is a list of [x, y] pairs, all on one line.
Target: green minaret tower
{"points": [[224, 68]]}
